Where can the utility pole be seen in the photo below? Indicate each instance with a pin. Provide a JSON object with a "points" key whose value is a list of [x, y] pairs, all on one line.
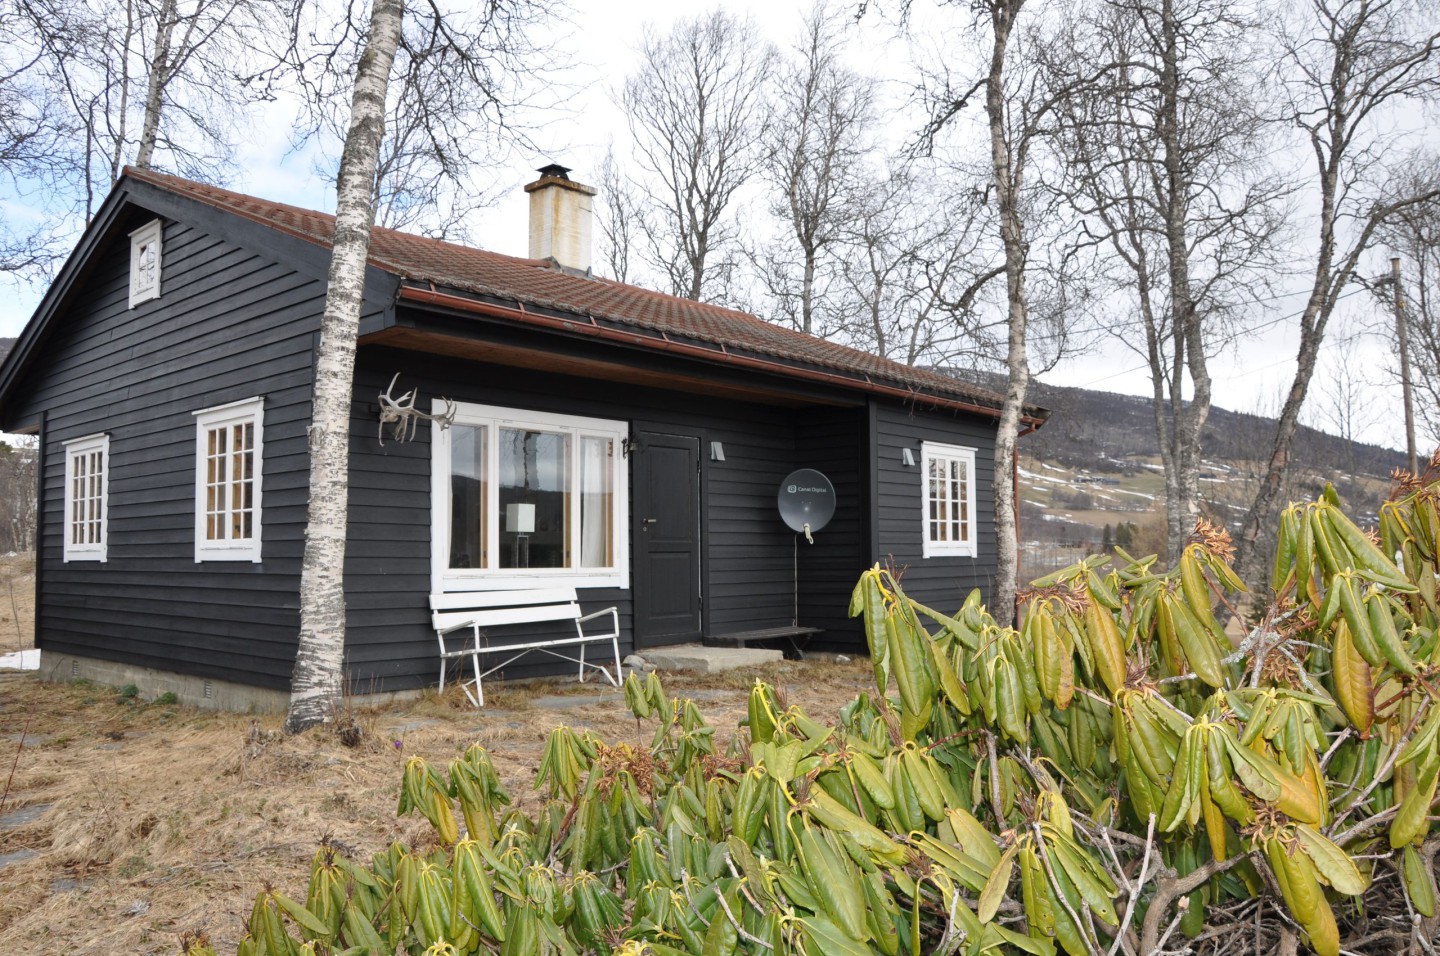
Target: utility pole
{"points": [[1402, 336]]}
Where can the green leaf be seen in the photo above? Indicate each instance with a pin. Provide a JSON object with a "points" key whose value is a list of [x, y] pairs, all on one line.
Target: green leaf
{"points": [[301, 915], [1332, 864], [994, 891]]}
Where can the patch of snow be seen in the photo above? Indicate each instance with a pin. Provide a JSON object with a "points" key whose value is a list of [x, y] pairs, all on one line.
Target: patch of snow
{"points": [[21, 660], [1049, 467], [1137, 494], [1044, 478]]}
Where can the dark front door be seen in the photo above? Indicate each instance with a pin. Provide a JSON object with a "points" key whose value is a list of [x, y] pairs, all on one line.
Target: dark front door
{"points": [[666, 482]]}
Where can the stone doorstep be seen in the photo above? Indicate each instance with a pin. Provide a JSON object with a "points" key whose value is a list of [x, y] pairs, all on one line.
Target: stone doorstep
{"points": [[708, 660]]}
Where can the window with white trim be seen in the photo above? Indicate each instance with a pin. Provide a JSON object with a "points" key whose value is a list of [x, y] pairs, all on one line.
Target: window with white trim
{"points": [[948, 499], [229, 441], [145, 263], [87, 479], [527, 497]]}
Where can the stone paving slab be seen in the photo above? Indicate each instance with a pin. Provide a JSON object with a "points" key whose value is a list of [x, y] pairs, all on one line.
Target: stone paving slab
{"points": [[19, 855], [709, 660], [15, 819]]}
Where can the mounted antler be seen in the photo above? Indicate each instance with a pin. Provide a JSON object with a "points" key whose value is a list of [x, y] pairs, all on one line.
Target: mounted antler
{"points": [[402, 414]]}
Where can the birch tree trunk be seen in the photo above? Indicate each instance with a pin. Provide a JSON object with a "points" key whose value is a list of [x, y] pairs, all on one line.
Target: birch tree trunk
{"points": [[1164, 142], [316, 684], [1352, 62], [1182, 488], [1007, 174], [155, 84]]}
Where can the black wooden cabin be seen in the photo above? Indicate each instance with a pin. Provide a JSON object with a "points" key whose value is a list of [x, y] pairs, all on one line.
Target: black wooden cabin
{"points": [[627, 442]]}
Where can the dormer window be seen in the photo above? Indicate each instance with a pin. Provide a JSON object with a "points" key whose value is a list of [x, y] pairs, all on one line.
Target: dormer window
{"points": [[145, 263]]}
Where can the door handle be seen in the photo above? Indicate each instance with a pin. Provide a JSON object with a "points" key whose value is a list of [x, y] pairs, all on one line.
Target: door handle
{"points": [[649, 520]]}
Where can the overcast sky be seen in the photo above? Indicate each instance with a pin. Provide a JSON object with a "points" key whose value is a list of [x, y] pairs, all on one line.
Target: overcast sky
{"points": [[600, 40]]}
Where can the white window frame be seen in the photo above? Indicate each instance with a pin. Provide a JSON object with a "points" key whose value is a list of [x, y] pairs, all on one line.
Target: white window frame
{"points": [[445, 578], [75, 448], [142, 290], [967, 546], [251, 410]]}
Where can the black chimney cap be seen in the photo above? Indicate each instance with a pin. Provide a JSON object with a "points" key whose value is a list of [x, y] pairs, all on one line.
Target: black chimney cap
{"points": [[556, 170]]}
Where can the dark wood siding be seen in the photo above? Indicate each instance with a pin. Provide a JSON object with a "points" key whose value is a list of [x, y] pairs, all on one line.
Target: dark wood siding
{"points": [[229, 325], [941, 582], [833, 441], [748, 551], [232, 323]]}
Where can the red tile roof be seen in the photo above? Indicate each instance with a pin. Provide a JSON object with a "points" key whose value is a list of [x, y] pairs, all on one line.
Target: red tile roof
{"points": [[540, 283]]}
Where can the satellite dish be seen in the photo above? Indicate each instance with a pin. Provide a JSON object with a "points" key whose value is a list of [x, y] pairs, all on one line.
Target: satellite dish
{"points": [[806, 500]]}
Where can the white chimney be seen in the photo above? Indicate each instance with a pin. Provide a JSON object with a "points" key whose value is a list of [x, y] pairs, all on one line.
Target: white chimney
{"points": [[560, 218]]}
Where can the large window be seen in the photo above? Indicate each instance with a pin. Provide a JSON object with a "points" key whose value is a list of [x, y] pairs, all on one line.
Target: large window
{"points": [[523, 496], [87, 476], [228, 443], [949, 499]]}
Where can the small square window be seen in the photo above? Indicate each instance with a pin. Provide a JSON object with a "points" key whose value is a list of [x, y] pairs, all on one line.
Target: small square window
{"points": [[87, 480], [145, 263], [228, 457], [948, 499]]}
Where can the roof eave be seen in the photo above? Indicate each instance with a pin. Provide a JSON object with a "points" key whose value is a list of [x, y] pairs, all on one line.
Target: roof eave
{"points": [[718, 354], [38, 326]]}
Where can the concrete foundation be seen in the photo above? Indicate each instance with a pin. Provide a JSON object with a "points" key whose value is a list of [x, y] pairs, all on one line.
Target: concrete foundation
{"points": [[213, 694], [205, 692]]}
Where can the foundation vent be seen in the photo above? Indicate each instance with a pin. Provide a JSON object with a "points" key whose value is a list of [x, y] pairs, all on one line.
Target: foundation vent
{"points": [[209, 690], [74, 668]]}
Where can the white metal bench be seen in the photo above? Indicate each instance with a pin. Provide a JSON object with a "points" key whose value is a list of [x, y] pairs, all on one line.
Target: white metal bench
{"points": [[463, 621]]}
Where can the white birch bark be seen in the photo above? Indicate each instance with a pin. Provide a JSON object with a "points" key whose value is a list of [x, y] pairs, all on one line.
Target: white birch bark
{"points": [[316, 684], [155, 84], [1359, 58], [1007, 174]]}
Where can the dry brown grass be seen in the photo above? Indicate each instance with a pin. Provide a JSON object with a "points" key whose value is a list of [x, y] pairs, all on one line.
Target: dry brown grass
{"points": [[167, 819], [17, 602]]}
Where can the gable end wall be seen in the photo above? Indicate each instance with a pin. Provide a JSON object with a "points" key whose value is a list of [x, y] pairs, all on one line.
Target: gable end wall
{"points": [[228, 325]]}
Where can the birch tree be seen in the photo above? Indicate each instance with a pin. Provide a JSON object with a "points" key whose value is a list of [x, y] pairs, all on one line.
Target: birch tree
{"points": [[454, 109], [316, 683], [34, 126], [480, 55], [1414, 235], [697, 110], [1009, 149], [1013, 108], [619, 217], [1163, 139], [1349, 62], [815, 157], [913, 261], [154, 83]]}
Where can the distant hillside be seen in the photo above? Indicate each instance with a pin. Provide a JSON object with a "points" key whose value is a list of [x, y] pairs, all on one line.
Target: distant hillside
{"points": [[1100, 430], [1092, 476], [1085, 425]]}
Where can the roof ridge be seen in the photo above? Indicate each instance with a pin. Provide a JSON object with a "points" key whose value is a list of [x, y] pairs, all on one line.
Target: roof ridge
{"points": [[170, 180]]}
